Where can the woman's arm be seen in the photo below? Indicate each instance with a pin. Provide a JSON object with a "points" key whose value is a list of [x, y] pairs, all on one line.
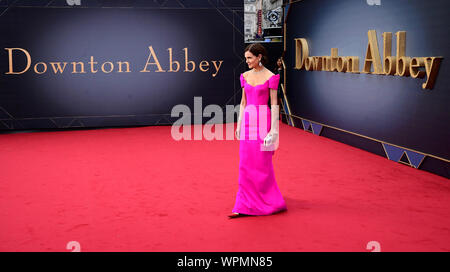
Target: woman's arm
{"points": [[272, 136], [274, 111], [241, 108]]}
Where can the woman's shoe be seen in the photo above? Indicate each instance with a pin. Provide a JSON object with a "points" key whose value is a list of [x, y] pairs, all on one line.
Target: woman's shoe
{"points": [[236, 215]]}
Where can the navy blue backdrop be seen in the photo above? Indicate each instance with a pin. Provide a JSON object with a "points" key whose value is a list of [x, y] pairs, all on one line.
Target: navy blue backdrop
{"points": [[392, 109], [113, 31]]}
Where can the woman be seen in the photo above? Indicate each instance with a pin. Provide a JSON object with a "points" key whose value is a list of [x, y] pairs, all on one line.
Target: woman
{"points": [[258, 193]]}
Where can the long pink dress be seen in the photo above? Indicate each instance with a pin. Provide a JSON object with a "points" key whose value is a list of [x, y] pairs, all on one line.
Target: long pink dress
{"points": [[258, 192]]}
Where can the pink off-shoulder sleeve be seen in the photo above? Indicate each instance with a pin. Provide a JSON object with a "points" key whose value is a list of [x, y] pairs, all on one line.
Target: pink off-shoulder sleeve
{"points": [[242, 81], [273, 82]]}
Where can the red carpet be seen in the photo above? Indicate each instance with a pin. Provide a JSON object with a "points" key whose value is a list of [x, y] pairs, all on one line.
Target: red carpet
{"points": [[136, 189]]}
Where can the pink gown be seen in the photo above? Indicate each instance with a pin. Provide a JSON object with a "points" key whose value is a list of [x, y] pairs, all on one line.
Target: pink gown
{"points": [[258, 192]]}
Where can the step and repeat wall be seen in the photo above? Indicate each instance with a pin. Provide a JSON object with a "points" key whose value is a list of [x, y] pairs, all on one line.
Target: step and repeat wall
{"points": [[373, 74], [89, 63]]}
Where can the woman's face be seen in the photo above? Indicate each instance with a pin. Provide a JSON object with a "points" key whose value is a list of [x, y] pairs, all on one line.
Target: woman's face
{"points": [[252, 60]]}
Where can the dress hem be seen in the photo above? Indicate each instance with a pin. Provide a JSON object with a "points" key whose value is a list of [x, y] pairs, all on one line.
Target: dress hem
{"points": [[253, 213]]}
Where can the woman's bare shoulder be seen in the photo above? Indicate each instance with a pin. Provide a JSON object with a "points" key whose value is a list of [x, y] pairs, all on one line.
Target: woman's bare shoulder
{"points": [[270, 73], [245, 74]]}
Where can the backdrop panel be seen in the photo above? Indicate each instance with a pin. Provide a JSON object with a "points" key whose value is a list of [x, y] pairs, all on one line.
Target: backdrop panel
{"points": [[108, 63], [393, 109]]}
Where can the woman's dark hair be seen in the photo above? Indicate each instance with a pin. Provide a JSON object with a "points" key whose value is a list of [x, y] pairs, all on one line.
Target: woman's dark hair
{"points": [[256, 49]]}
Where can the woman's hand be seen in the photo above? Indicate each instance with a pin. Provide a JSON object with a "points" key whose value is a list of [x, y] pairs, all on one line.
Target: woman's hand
{"points": [[237, 133], [270, 138]]}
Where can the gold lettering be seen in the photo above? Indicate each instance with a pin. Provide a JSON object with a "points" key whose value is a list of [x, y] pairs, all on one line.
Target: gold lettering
{"points": [[309, 64], [120, 66], [171, 62], [389, 62], [403, 66], [217, 67], [187, 62], [74, 71], [341, 64], [325, 63], [372, 54], [414, 71], [301, 53], [11, 72], [92, 65], [152, 53], [203, 63], [36, 65], [317, 63], [399, 65], [431, 67], [401, 48], [111, 66], [389, 65], [352, 64], [59, 68], [333, 59]]}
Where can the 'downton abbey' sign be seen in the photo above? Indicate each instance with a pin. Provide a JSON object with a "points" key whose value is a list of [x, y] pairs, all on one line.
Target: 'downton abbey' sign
{"points": [[79, 67], [399, 65]]}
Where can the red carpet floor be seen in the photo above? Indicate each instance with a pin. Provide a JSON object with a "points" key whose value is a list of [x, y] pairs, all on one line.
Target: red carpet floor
{"points": [[136, 189]]}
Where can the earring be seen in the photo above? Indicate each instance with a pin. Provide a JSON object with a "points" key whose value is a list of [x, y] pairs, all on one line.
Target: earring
{"points": [[260, 64]]}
